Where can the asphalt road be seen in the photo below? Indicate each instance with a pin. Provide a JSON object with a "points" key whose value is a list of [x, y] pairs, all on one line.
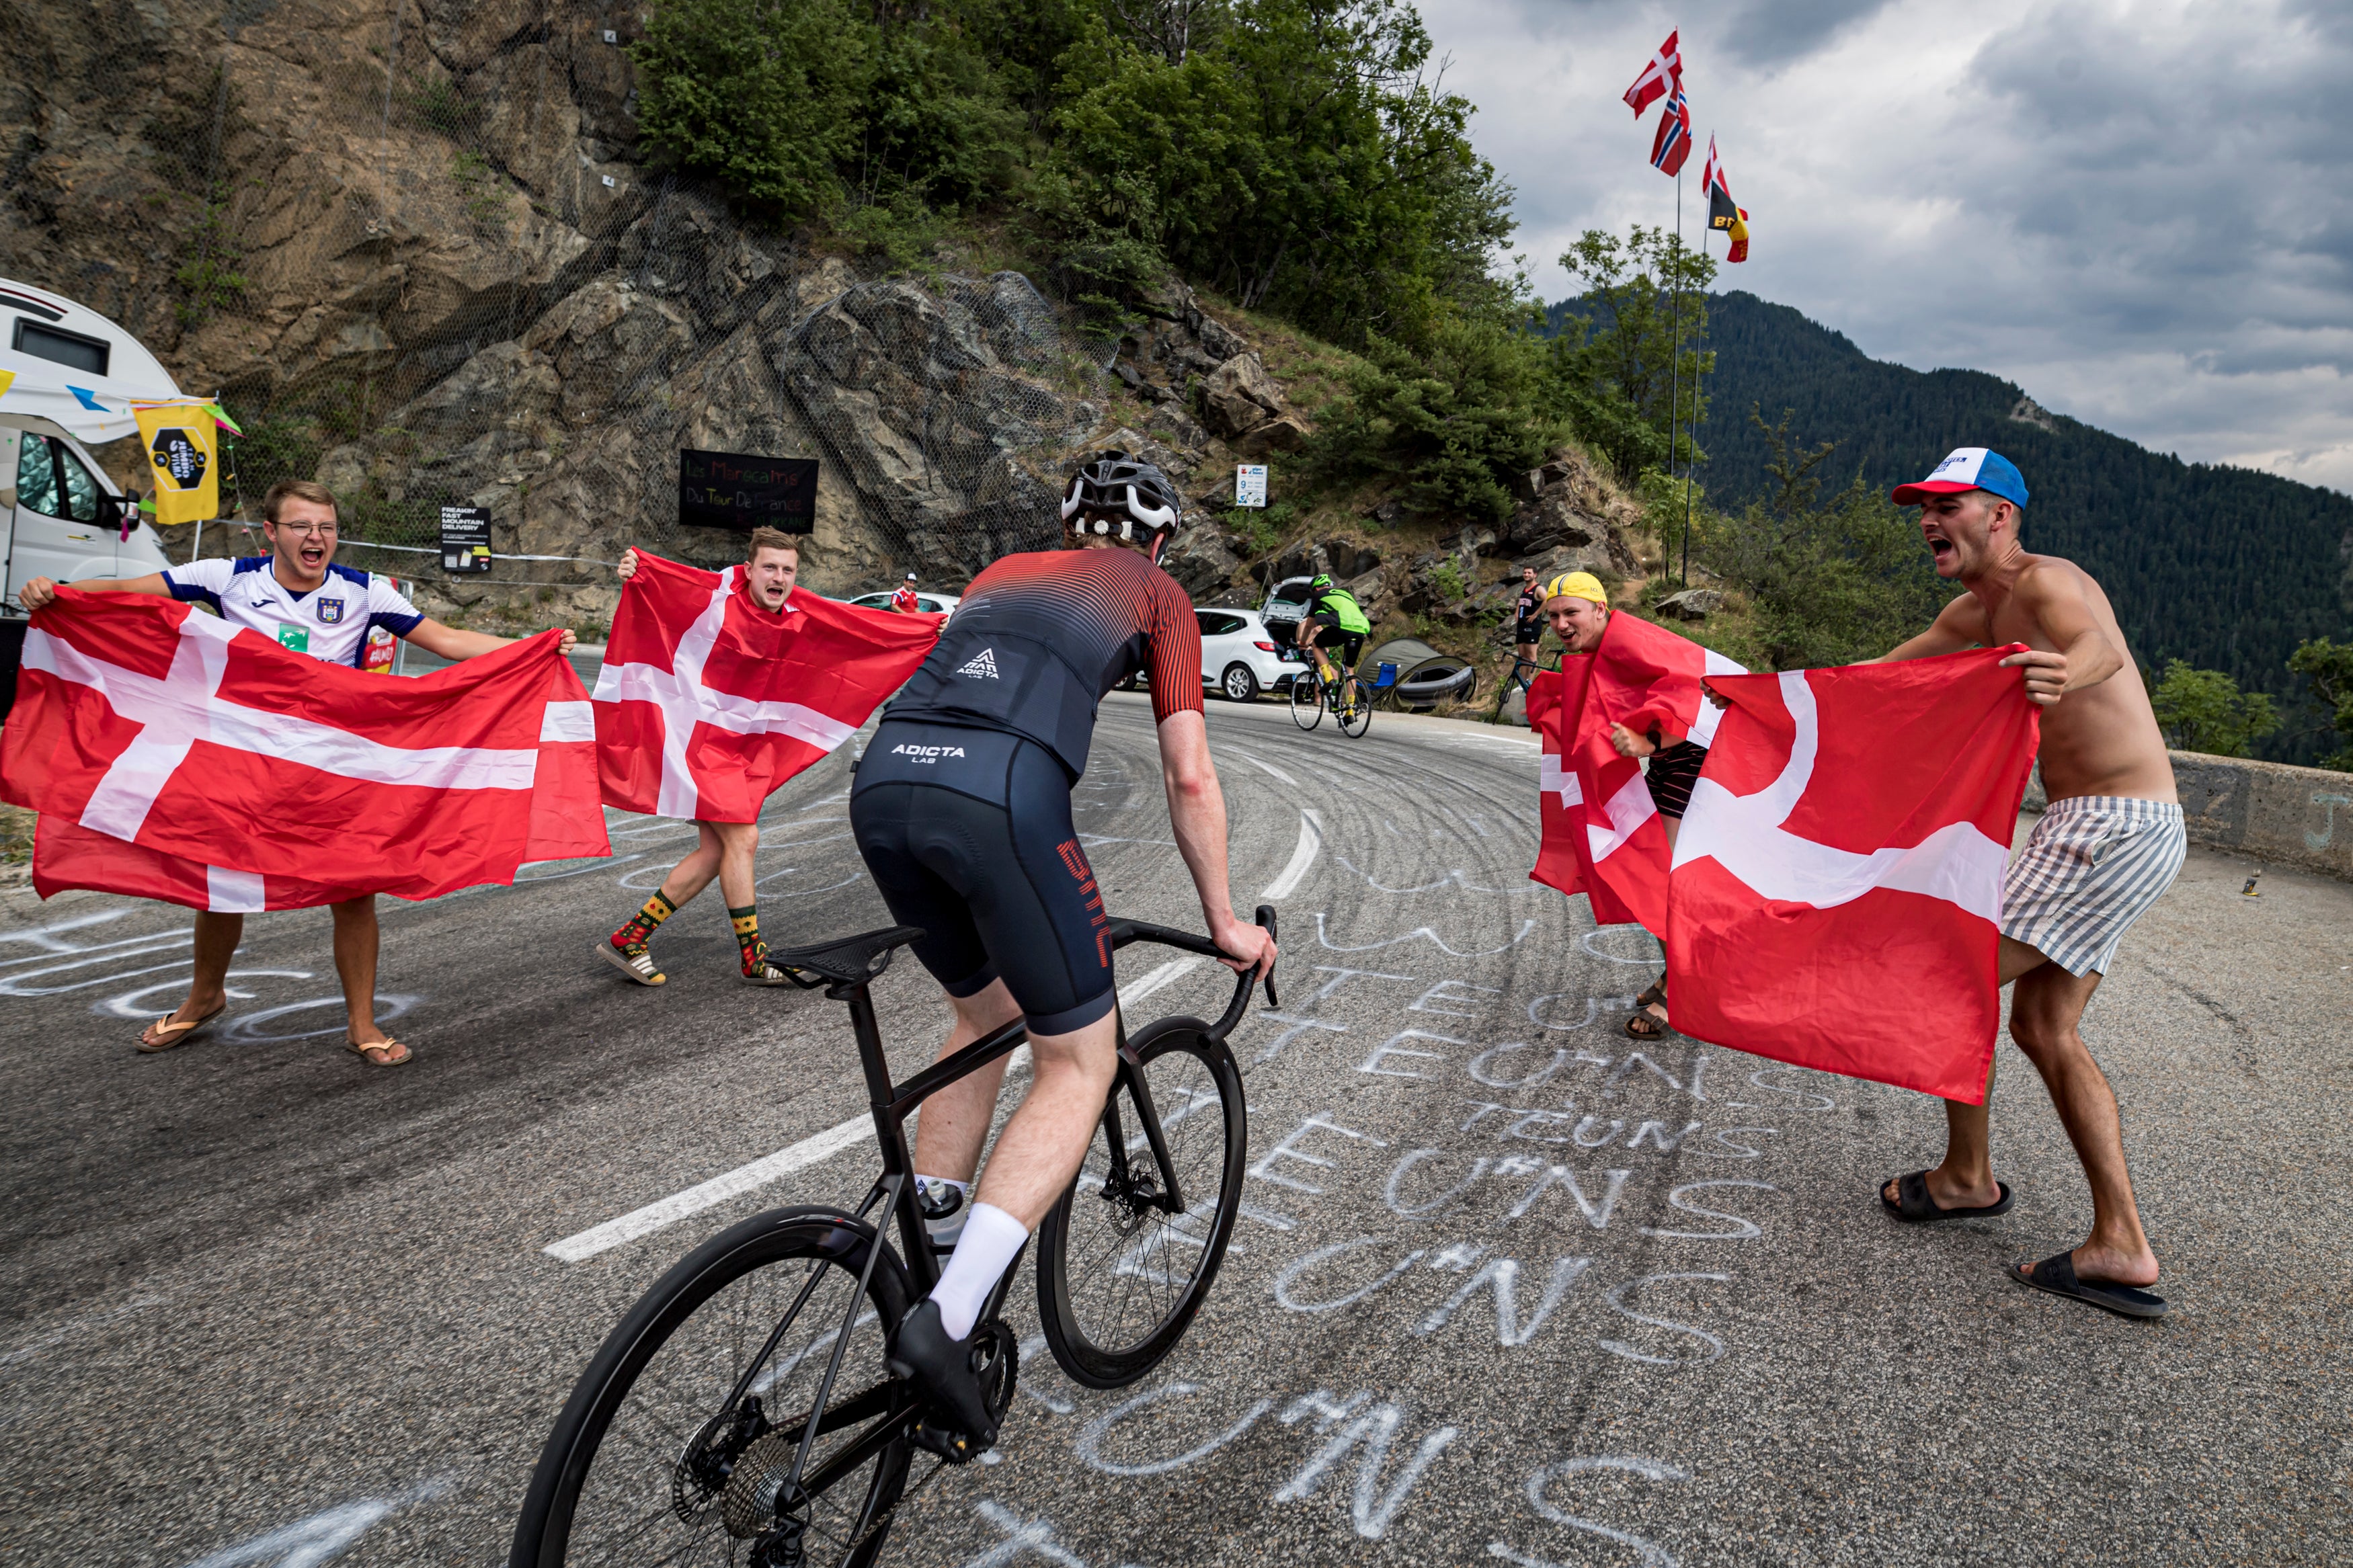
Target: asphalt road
{"points": [[260, 1304]]}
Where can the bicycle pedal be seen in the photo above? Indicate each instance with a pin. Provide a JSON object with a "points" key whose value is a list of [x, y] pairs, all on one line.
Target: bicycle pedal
{"points": [[956, 1448]]}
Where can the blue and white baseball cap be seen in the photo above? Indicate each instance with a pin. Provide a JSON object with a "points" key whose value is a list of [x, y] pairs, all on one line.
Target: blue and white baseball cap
{"points": [[1968, 468]]}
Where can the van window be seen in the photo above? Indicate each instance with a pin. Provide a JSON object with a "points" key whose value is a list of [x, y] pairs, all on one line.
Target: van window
{"points": [[82, 491], [60, 347], [37, 476]]}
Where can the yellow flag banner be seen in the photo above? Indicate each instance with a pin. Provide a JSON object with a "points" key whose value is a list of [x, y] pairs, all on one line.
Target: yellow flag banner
{"points": [[184, 450]]}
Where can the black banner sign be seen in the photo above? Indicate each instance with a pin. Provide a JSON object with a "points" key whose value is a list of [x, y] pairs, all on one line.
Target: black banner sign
{"points": [[726, 489], [465, 539]]}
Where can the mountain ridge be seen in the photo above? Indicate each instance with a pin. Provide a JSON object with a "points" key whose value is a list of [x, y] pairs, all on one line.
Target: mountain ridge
{"points": [[2224, 567]]}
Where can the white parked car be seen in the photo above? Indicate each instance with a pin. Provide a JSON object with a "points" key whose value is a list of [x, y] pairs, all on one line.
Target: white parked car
{"points": [[930, 604], [1240, 657]]}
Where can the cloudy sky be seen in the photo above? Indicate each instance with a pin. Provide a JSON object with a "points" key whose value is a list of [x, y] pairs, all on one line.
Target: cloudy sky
{"points": [[2139, 212]]}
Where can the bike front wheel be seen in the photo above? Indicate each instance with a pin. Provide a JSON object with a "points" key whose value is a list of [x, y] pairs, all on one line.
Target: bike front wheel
{"points": [[650, 1461], [1353, 710], [1306, 701], [1120, 1275]]}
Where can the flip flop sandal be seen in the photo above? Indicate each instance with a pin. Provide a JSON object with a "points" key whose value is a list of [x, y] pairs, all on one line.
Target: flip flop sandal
{"points": [[633, 961], [1914, 1206], [387, 1044], [170, 1036], [2057, 1276], [765, 973], [1644, 1026]]}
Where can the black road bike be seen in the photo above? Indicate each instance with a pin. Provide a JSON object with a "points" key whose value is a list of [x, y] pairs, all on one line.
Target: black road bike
{"points": [[741, 1413], [1313, 690]]}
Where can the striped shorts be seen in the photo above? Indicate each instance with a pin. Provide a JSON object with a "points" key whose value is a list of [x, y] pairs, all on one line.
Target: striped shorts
{"points": [[2093, 865]]}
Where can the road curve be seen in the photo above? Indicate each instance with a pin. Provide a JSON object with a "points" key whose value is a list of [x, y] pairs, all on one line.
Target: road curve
{"points": [[1511, 1288]]}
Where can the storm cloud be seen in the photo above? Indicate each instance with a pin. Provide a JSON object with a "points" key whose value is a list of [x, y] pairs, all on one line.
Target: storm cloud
{"points": [[2135, 211]]}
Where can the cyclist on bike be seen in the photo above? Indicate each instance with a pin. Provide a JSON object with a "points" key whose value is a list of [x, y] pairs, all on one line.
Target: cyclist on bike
{"points": [[962, 810], [1332, 611]]}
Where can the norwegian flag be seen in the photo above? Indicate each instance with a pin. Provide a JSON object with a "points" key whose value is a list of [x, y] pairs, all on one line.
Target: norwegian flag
{"points": [[171, 756], [707, 703], [1662, 75], [1672, 143], [1836, 896]]}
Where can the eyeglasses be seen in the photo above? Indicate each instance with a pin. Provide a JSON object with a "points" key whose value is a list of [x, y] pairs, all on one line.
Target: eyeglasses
{"points": [[322, 530]]}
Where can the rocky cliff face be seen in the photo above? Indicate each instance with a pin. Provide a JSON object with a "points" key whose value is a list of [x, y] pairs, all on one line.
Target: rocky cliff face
{"points": [[410, 243]]}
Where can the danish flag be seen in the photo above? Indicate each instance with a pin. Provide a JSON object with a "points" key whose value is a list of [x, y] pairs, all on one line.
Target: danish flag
{"points": [[1836, 894], [707, 702], [172, 756], [1664, 75], [1640, 674]]}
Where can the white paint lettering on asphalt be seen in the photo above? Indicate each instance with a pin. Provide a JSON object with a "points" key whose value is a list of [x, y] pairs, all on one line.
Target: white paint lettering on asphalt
{"points": [[323, 1537], [1311, 839]]}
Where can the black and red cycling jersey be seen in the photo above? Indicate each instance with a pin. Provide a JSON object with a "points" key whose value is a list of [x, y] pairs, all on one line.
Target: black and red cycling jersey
{"points": [[1040, 638]]}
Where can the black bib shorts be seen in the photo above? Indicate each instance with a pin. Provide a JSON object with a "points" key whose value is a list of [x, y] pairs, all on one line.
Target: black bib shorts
{"points": [[968, 834]]}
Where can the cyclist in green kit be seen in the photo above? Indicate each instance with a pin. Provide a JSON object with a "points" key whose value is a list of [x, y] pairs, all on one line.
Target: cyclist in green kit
{"points": [[1333, 612]]}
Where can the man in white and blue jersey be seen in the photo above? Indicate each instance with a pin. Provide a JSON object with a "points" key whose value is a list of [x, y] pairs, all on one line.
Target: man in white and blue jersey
{"points": [[297, 594]]}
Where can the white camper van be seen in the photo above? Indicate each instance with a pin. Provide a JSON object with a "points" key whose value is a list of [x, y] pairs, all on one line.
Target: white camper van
{"points": [[75, 377]]}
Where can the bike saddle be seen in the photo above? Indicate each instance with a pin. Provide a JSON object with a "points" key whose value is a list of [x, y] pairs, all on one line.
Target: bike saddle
{"points": [[848, 960]]}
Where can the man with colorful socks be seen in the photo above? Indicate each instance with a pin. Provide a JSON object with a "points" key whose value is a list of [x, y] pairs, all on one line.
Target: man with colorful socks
{"points": [[727, 848]]}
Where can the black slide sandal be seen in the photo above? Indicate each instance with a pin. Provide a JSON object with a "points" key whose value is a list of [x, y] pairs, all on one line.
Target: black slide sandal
{"points": [[2057, 1276], [1914, 1206]]}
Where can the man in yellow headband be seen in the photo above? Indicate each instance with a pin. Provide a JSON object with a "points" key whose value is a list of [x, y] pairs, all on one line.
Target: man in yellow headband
{"points": [[1579, 608]]}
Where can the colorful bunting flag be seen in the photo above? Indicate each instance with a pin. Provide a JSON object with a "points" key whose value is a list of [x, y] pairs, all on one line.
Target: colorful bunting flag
{"points": [[184, 449]]}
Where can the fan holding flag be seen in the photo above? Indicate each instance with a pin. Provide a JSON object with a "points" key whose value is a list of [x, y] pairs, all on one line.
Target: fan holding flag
{"points": [[171, 758]]}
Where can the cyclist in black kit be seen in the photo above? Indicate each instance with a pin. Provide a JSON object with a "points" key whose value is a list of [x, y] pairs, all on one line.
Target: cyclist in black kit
{"points": [[962, 810]]}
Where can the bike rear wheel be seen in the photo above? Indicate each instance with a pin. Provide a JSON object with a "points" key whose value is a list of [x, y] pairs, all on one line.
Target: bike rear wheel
{"points": [[1119, 1279], [1353, 710], [1307, 701], [650, 1463]]}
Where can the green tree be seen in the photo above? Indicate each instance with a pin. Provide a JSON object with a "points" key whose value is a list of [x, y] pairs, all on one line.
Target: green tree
{"points": [[2328, 670], [1627, 356], [1828, 584], [1455, 419], [2204, 711], [1298, 161], [768, 96]]}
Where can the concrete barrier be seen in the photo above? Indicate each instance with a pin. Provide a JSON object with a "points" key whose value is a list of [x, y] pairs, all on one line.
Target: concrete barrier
{"points": [[2298, 817]]}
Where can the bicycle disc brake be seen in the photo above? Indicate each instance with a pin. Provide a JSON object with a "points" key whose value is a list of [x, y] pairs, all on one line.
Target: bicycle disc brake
{"points": [[701, 1474], [996, 1361]]}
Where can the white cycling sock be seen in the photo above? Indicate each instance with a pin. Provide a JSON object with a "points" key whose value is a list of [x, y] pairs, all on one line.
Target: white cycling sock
{"points": [[991, 1238]]}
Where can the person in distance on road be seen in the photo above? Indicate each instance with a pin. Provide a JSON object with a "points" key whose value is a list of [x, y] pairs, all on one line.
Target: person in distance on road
{"points": [[1333, 614], [2110, 843], [1579, 608], [904, 600], [1527, 623], [962, 810], [726, 849], [299, 596]]}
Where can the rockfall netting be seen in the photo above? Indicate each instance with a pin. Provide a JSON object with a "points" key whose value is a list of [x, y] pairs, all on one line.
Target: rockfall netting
{"points": [[410, 244]]}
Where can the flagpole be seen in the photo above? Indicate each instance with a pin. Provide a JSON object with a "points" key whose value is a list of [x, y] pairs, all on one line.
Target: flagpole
{"points": [[1687, 467], [1675, 341]]}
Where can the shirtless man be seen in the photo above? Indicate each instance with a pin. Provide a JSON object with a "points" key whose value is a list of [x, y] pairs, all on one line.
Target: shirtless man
{"points": [[2109, 845]]}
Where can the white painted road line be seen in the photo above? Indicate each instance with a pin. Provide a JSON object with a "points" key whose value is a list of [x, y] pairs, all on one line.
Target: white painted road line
{"points": [[1266, 767], [1311, 839], [799, 1156], [710, 1194]]}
